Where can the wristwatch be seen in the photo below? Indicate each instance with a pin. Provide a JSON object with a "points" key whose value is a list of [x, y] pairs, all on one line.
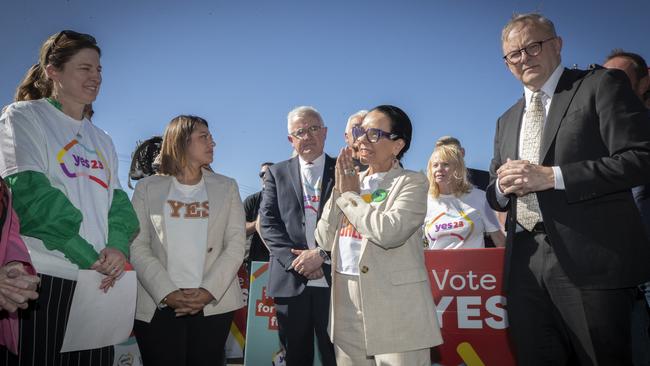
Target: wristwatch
{"points": [[323, 254]]}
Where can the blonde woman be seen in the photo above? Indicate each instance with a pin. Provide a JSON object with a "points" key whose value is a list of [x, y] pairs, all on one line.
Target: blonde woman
{"points": [[188, 251], [458, 214]]}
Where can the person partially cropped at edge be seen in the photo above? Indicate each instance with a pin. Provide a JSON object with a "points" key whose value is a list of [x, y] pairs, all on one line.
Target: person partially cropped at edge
{"points": [[17, 275], [62, 171], [566, 156]]}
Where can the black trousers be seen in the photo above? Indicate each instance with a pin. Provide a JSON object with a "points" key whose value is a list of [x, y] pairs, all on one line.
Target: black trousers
{"points": [[301, 316], [192, 340], [42, 328], [552, 321]]}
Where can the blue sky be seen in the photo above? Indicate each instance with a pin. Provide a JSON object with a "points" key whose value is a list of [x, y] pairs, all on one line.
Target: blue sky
{"points": [[243, 65]]}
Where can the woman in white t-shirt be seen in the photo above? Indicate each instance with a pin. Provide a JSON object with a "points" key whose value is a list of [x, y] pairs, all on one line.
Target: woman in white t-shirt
{"points": [[187, 254], [458, 215], [62, 170]]}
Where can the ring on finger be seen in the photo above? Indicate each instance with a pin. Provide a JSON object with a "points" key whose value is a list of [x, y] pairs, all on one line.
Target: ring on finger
{"points": [[349, 172]]}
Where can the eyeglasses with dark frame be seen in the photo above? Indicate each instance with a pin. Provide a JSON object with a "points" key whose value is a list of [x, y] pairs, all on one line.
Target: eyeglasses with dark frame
{"points": [[372, 134], [532, 50], [301, 133], [70, 34]]}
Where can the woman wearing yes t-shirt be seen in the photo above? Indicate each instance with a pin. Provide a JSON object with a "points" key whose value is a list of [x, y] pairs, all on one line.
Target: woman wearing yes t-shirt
{"points": [[62, 171], [187, 254], [457, 213]]}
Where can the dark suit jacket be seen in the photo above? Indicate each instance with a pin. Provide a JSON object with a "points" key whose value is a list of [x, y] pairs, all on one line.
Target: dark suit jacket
{"points": [[642, 199], [282, 223], [598, 133]]}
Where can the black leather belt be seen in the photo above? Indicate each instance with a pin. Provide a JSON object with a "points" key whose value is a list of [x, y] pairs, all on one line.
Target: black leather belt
{"points": [[539, 228]]}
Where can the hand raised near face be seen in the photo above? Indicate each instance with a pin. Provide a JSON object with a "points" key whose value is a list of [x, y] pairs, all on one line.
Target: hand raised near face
{"points": [[347, 177]]}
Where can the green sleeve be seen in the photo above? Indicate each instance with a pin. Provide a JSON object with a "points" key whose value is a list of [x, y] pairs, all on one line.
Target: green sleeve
{"points": [[122, 222], [46, 213]]}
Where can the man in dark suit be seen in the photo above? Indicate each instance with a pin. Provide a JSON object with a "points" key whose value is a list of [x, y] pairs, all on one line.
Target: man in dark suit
{"points": [[565, 158], [295, 192], [636, 70]]}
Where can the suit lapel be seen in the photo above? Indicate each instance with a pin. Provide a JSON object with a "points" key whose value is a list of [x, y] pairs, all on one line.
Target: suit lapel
{"points": [[390, 181], [216, 195], [158, 192], [512, 130], [327, 183], [294, 174], [564, 93]]}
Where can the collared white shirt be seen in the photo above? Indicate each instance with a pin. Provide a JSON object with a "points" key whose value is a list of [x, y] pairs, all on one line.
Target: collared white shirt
{"points": [[311, 177], [547, 98]]}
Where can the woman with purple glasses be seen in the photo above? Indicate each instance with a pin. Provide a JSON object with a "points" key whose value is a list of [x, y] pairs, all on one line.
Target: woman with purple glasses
{"points": [[372, 225]]}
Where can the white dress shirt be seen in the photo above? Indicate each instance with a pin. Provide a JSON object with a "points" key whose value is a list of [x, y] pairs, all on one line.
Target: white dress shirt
{"points": [[311, 177], [548, 90]]}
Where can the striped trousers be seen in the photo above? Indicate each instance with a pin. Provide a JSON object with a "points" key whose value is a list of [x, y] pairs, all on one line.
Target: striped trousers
{"points": [[42, 327]]}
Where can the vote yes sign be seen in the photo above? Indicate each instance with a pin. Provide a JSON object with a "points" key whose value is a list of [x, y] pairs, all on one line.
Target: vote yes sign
{"points": [[466, 286]]}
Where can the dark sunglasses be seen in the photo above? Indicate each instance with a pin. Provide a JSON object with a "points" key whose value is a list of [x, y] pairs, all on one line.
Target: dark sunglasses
{"points": [[72, 35], [262, 174], [372, 134]]}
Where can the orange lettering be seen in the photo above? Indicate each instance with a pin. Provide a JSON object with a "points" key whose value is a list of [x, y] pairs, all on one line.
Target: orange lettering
{"points": [[175, 206], [190, 210]]}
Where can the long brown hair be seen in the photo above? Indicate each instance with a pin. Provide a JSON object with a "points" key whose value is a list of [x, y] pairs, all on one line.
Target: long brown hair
{"points": [[57, 50], [176, 139]]}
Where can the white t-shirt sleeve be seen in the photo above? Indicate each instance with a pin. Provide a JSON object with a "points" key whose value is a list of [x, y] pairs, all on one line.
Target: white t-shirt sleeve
{"points": [[477, 199], [22, 142], [489, 217], [115, 178]]}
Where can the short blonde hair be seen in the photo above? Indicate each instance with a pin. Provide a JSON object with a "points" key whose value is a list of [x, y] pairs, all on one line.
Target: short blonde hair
{"points": [[175, 141], [453, 155]]}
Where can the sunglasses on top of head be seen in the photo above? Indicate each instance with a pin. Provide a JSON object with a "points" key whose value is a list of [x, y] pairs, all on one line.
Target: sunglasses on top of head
{"points": [[72, 35]]}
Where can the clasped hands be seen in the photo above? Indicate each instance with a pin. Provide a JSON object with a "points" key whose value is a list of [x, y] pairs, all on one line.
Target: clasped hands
{"points": [[346, 176], [308, 263], [188, 301], [17, 287], [111, 264], [520, 177]]}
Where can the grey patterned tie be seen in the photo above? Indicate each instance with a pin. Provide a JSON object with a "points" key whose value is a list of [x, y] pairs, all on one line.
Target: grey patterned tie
{"points": [[528, 213]]}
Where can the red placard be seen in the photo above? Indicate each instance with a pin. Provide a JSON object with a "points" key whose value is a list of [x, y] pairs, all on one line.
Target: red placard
{"points": [[466, 287]]}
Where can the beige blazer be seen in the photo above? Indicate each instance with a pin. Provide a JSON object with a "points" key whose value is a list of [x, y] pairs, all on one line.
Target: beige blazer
{"points": [[398, 310], [225, 246]]}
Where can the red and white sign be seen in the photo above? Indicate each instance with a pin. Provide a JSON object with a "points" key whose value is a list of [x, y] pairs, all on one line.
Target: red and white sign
{"points": [[466, 287]]}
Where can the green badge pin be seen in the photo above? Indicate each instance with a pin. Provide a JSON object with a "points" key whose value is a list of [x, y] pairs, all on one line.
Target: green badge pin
{"points": [[379, 195]]}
